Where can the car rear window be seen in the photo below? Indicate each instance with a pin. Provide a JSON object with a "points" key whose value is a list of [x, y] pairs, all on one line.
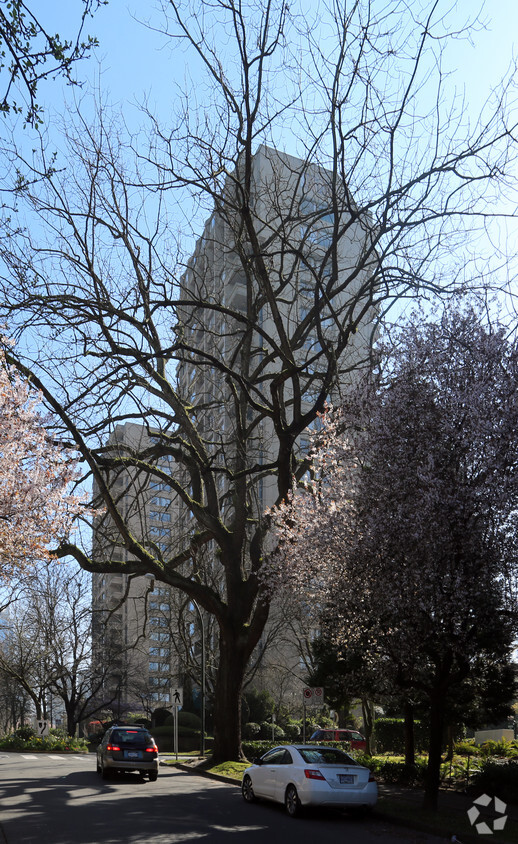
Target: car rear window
{"points": [[137, 738], [326, 755]]}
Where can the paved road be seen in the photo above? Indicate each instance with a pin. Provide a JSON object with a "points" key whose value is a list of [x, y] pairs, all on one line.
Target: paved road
{"points": [[53, 799]]}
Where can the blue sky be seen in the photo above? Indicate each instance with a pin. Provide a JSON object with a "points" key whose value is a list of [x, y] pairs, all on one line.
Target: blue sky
{"points": [[132, 62]]}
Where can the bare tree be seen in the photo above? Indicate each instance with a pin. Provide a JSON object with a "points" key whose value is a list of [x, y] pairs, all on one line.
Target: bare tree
{"points": [[46, 649], [31, 54], [226, 358]]}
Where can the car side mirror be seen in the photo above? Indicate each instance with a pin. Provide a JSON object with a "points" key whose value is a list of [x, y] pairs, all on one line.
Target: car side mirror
{"points": [[257, 761]]}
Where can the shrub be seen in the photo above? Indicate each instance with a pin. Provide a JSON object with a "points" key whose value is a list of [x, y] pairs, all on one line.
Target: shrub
{"points": [[26, 732], [389, 734], [394, 771], [189, 720], [499, 748], [251, 730], [186, 720], [50, 742], [292, 731], [160, 716], [466, 748], [266, 731], [498, 780], [253, 749]]}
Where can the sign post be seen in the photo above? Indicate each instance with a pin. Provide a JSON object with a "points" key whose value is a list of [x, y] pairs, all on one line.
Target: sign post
{"points": [[42, 727], [177, 700], [311, 696]]}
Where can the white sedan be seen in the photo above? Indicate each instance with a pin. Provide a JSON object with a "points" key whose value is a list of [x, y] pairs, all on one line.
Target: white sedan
{"points": [[309, 775]]}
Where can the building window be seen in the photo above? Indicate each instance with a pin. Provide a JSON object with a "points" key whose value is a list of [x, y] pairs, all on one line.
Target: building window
{"points": [[162, 682], [160, 501], [157, 636], [160, 531], [159, 651], [158, 622], [162, 697], [159, 516], [160, 486]]}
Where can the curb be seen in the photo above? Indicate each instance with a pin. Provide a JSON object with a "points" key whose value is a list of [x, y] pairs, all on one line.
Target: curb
{"points": [[209, 776]]}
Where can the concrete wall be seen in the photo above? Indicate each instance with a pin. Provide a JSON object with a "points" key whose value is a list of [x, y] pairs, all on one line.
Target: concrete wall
{"points": [[493, 735]]}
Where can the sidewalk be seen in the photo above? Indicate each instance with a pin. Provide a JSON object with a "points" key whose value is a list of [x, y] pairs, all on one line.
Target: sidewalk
{"points": [[403, 805]]}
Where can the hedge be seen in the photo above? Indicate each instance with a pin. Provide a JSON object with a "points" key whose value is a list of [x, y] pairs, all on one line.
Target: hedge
{"points": [[389, 735], [500, 779]]}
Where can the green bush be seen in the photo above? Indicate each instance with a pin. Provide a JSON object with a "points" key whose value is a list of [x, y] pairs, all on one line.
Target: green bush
{"points": [[26, 732], [292, 732], [500, 748], [266, 731], [253, 749], [62, 741], [251, 730], [186, 720], [190, 720], [389, 735], [498, 780], [393, 771], [466, 748]]}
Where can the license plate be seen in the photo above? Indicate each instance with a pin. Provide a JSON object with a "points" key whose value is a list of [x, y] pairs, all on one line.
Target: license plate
{"points": [[132, 754], [345, 779]]}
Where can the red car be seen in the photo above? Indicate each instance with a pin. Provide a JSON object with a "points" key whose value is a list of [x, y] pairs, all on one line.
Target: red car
{"points": [[355, 739]]}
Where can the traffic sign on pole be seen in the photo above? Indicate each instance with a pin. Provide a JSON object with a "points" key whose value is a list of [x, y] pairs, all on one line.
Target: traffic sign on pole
{"points": [[42, 727], [313, 696], [177, 696]]}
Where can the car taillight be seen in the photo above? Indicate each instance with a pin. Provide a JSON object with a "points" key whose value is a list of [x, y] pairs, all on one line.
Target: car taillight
{"points": [[311, 774], [372, 778], [112, 747], [151, 749]]}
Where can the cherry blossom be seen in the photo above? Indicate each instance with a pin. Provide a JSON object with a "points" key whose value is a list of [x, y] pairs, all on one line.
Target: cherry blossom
{"points": [[402, 544], [36, 473]]}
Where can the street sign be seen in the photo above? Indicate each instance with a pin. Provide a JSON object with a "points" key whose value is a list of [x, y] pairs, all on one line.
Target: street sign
{"points": [[42, 727], [177, 697], [313, 696]]}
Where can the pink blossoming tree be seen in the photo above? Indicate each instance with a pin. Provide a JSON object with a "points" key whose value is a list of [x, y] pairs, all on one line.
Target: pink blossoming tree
{"points": [[402, 542], [36, 506]]}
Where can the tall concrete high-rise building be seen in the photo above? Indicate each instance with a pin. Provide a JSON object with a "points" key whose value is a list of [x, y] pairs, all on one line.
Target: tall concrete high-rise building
{"points": [[310, 245], [319, 254], [275, 341], [135, 618]]}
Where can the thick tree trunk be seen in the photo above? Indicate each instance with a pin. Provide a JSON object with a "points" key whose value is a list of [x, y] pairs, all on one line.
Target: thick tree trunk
{"points": [[368, 723], [233, 658], [409, 734], [433, 771], [71, 720]]}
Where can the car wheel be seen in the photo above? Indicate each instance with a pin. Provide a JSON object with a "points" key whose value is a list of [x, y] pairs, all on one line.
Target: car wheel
{"points": [[292, 802], [153, 776], [105, 773], [247, 790]]}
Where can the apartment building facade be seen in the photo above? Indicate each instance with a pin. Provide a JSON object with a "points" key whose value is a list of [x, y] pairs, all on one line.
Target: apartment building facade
{"points": [[135, 617], [235, 330]]}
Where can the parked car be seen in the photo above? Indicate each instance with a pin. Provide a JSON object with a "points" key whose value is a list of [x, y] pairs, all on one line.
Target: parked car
{"points": [[355, 739], [128, 749], [309, 775]]}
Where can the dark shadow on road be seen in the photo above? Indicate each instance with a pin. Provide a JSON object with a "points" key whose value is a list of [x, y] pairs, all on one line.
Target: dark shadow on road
{"points": [[80, 808]]}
